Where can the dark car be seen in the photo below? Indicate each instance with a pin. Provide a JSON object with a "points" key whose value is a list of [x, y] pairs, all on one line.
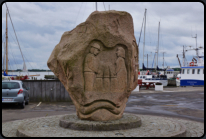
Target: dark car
{"points": [[14, 91]]}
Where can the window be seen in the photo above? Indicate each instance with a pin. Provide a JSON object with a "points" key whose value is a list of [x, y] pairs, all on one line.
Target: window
{"points": [[188, 71], [193, 71], [203, 71], [140, 77], [198, 71], [183, 71], [10, 85], [23, 86], [143, 77]]}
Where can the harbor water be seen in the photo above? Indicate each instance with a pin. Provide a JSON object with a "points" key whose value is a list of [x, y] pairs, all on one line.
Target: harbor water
{"points": [[40, 77]]}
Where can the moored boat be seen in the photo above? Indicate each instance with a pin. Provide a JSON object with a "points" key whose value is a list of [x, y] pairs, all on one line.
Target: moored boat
{"points": [[193, 73]]}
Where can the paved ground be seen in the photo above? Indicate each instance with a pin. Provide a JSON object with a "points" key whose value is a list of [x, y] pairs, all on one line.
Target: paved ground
{"points": [[152, 126], [186, 103], [182, 102]]}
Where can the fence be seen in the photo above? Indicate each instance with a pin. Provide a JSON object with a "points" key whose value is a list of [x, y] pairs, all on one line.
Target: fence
{"points": [[46, 90]]}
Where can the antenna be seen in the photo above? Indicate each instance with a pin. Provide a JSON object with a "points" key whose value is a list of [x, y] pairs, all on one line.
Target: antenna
{"points": [[196, 44]]}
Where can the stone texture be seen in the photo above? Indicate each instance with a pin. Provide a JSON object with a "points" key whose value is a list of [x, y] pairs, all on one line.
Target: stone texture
{"points": [[152, 126], [128, 121], [97, 62]]}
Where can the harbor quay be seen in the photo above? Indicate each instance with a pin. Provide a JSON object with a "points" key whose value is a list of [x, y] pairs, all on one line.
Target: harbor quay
{"points": [[184, 105]]}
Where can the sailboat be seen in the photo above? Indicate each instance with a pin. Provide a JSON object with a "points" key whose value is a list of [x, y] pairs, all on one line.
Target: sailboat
{"points": [[5, 74], [152, 76]]}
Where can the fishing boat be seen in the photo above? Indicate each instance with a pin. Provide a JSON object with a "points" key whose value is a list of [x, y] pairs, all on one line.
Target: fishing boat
{"points": [[192, 72]]}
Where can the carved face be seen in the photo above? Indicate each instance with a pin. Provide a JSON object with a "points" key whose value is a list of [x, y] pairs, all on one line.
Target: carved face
{"points": [[120, 52], [96, 51]]}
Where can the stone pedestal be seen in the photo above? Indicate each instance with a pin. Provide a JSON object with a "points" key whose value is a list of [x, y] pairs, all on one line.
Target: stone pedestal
{"points": [[151, 126], [127, 121]]}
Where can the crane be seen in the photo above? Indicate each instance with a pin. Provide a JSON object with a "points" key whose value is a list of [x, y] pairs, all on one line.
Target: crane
{"points": [[179, 60]]}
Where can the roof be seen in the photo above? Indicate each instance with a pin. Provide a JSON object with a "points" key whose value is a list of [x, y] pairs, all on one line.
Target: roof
{"points": [[169, 70]]}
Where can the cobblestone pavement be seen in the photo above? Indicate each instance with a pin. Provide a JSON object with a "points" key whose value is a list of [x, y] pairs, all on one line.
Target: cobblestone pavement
{"points": [[152, 126], [172, 103]]}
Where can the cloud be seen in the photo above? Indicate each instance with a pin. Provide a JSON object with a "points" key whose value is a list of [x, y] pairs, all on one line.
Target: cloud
{"points": [[40, 25]]}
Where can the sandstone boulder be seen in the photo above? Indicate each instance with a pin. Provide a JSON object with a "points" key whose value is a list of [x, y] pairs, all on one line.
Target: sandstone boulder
{"points": [[97, 62]]}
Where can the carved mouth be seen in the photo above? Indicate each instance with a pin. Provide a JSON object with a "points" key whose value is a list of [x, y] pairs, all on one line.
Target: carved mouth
{"points": [[102, 104]]}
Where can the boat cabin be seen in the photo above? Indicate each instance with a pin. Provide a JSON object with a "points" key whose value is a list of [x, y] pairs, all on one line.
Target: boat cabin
{"points": [[191, 76]]}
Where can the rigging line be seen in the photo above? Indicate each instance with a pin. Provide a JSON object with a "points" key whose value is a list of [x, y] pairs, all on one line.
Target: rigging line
{"points": [[12, 53], [3, 37], [12, 37], [27, 59], [78, 14], [16, 43], [149, 29], [9, 62], [104, 6], [29, 64], [14, 31], [141, 31]]}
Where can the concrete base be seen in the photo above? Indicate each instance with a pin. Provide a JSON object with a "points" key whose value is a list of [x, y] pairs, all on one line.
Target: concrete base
{"points": [[158, 87], [152, 126], [137, 88], [127, 121]]}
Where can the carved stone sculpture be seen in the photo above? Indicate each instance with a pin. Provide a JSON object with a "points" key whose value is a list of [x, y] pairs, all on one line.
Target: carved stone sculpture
{"points": [[97, 62]]}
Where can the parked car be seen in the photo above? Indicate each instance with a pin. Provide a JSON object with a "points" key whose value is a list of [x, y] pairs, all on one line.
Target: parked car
{"points": [[14, 91]]}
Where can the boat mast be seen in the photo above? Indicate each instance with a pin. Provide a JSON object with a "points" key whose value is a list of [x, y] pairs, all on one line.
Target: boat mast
{"points": [[6, 45], [163, 59], [144, 34], [4, 57], [158, 43], [196, 45], [183, 60], [96, 6], [15, 35]]}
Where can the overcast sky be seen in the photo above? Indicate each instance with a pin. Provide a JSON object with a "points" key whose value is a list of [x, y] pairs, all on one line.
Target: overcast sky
{"points": [[40, 25]]}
